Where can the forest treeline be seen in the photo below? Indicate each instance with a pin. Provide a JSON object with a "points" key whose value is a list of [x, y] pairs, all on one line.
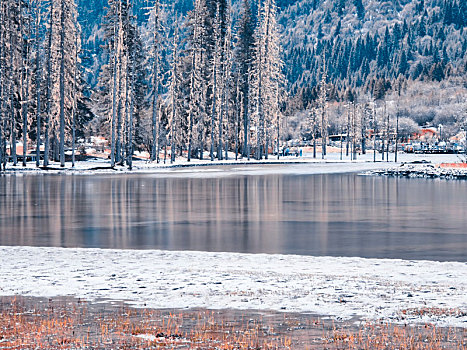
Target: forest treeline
{"points": [[176, 81], [206, 78]]}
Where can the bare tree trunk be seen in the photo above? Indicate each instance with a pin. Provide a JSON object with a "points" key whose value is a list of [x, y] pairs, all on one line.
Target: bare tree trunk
{"points": [[25, 83], [278, 122], [2, 154], [158, 135], [246, 125], [341, 145], [388, 135], [5, 158], [38, 84], [348, 131], [238, 111], [130, 127], [397, 136], [126, 117], [49, 89], [221, 129], [75, 105], [354, 133], [62, 84], [214, 102], [363, 121], [324, 132], [374, 132], [172, 133], [201, 150], [13, 128], [382, 131], [155, 84], [114, 95], [12, 101], [1, 130], [226, 141], [173, 139], [314, 133], [118, 150], [259, 113], [225, 104], [248, 148], [190, 128], [130, 132]]}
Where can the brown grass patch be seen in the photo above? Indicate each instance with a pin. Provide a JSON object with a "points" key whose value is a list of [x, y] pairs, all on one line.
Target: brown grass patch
{"points": [[66, 323]]}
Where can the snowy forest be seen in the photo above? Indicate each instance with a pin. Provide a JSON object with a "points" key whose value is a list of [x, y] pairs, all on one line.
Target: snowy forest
{"points": [[215, 79]]}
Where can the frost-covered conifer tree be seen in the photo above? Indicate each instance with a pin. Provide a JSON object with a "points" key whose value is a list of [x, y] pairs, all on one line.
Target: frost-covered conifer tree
{"points": [[62, 82], [173, 95], [266, 76], [214, 80], [13, 54], [74, 101], [2, 87], [38, 82], [62, 65], [225, 64], [116, 89], [25, 28], [198, 104], [350, 99], [155, 14], [244, 52], [49, 81], [195, 110], [322, 101], [313, 125], [226, 87]]}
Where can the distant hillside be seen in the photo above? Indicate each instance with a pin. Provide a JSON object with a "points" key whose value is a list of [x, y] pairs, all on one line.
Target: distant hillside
{"points": [[374, 38], [367, 45], [359, 38]]}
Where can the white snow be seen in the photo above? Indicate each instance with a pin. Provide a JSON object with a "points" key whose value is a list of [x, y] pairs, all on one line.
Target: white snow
{"points": [[206, 168], [339, 287], [148, 337]]}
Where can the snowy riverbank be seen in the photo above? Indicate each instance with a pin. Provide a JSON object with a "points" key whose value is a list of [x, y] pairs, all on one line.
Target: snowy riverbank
{"points": [[285, 165], [429, 171], [341, 287]]}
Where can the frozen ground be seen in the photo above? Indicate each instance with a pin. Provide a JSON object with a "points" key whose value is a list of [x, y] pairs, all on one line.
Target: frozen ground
{"points": [[286, 165], [340, 287]]}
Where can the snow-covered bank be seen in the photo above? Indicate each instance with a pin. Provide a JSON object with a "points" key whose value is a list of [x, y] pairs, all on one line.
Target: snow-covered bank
{"points": [[423, 171], [285, 165], [341, 287]]}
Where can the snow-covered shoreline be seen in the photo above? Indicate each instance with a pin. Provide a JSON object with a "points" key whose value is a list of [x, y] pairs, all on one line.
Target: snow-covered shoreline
{"points": [[285, 165], [423, 171], [341, 287], [204, 168]]}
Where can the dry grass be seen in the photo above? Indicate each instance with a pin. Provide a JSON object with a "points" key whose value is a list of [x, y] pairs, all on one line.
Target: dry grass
{"points": [[31, 323]]}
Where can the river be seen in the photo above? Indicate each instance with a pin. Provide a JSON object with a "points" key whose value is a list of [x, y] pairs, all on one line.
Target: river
{"points": [[319, 215]]}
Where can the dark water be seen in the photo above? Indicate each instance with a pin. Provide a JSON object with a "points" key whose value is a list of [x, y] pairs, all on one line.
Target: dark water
{"points": [[339, 215]]}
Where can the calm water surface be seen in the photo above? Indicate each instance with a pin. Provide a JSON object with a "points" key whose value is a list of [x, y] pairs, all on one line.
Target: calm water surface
{"points": [[339, 215]]}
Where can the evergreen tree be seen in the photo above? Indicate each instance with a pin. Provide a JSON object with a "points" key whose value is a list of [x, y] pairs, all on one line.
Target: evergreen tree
{"points": [[360, 9], [266, 78], [243, 60], [322, 105], [116, 91], [155, 18], [63, 62]]}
